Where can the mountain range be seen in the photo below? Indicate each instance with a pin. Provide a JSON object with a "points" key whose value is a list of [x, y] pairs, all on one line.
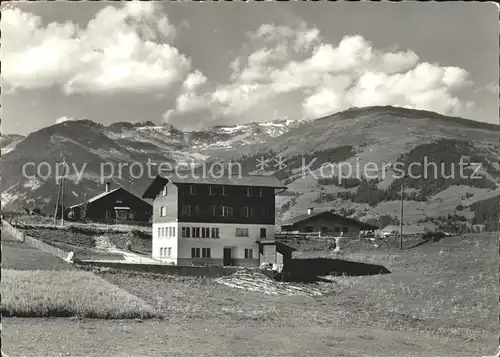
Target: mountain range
{"points": [[295, 151]]}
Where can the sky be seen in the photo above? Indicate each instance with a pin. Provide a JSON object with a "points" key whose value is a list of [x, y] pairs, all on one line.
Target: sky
{"points": [[194, 65]]}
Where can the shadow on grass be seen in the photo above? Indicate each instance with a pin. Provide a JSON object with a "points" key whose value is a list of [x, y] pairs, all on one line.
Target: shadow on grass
{"points": [[310, 270]]}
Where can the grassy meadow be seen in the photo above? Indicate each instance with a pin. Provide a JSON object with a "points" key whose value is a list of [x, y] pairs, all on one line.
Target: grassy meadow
{"points": [[438, 300], [36, 293], [447, 288]]}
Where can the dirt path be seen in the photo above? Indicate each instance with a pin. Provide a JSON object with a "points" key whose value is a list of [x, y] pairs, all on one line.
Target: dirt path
{"points": [[66, 337]]}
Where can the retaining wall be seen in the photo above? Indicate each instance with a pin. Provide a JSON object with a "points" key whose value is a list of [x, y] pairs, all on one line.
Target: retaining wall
{"points": [[206, 271], [35, 242]]}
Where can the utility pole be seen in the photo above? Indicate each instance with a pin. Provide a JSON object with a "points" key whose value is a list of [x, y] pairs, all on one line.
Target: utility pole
{"points": [[58, 186], [62, 191], [401, 217], [130, 183]]}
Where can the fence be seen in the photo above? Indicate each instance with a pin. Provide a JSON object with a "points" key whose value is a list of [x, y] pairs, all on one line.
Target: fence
{"points": [[112, 222], [13, 231], [66, 256], [293, 234]]}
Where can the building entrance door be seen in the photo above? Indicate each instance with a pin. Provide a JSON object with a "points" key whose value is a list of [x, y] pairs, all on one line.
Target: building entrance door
{"points": [[228, 258]]}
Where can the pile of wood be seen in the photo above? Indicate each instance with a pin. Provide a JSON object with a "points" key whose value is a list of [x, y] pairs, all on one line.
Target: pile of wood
{"points": [[258, 282]]}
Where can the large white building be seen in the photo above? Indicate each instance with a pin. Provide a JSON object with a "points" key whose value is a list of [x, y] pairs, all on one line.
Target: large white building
{"points": [[214, 221]]}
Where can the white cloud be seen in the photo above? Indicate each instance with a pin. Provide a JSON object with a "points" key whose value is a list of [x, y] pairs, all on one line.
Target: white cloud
{"points": [[120, 49], [323, 102], [492, 87], [63, 119], [193, 81], [289, 63], [290, 69]]}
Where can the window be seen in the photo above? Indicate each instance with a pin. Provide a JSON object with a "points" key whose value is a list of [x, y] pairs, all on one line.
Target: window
{"points": [[205, 232], [173, 231], [196, 209], [336, 229], [345, 229], [241, 232], [224, 211], [159, 232], [163, 231], [186, 232], [248, 253], [169, 252], [324, 229], [161, 252], [211, 190], [263, 233], [196, 232], [309, 229], [261, 192], [163, 211], [214, 211], [195, 252], [169, 231], [192, 189], [246, 211], [225, 191], [249, 192], [215, 232], [164, 192], [252, 212], [206, 253], [186, 210]]}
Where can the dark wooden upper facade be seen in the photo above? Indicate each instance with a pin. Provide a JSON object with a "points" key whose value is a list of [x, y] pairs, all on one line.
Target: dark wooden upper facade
{"points": [[212, 203]]}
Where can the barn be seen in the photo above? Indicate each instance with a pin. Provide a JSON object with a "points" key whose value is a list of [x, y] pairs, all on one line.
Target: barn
{"points": [[325, 223], [112, 206]]}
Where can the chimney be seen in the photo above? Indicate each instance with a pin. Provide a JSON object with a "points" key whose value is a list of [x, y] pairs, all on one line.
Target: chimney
{"points": [[310, 210], [108, 185]]}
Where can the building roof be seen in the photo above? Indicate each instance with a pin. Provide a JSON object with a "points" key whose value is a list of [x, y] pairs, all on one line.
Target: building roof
{"points": [[390, 228], [232, 180], [210, 179], [305, 217], [104, 194]]}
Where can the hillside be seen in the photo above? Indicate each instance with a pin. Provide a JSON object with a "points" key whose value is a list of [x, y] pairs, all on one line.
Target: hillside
{"points": [[8, 142], [96, 148], [376, 136], [380, 137]]}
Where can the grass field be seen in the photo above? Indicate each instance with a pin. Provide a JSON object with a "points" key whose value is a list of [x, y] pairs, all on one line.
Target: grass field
{"points": [[448, 292], [438, 300], [35, 283], [67, 293], [446, 288]]}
